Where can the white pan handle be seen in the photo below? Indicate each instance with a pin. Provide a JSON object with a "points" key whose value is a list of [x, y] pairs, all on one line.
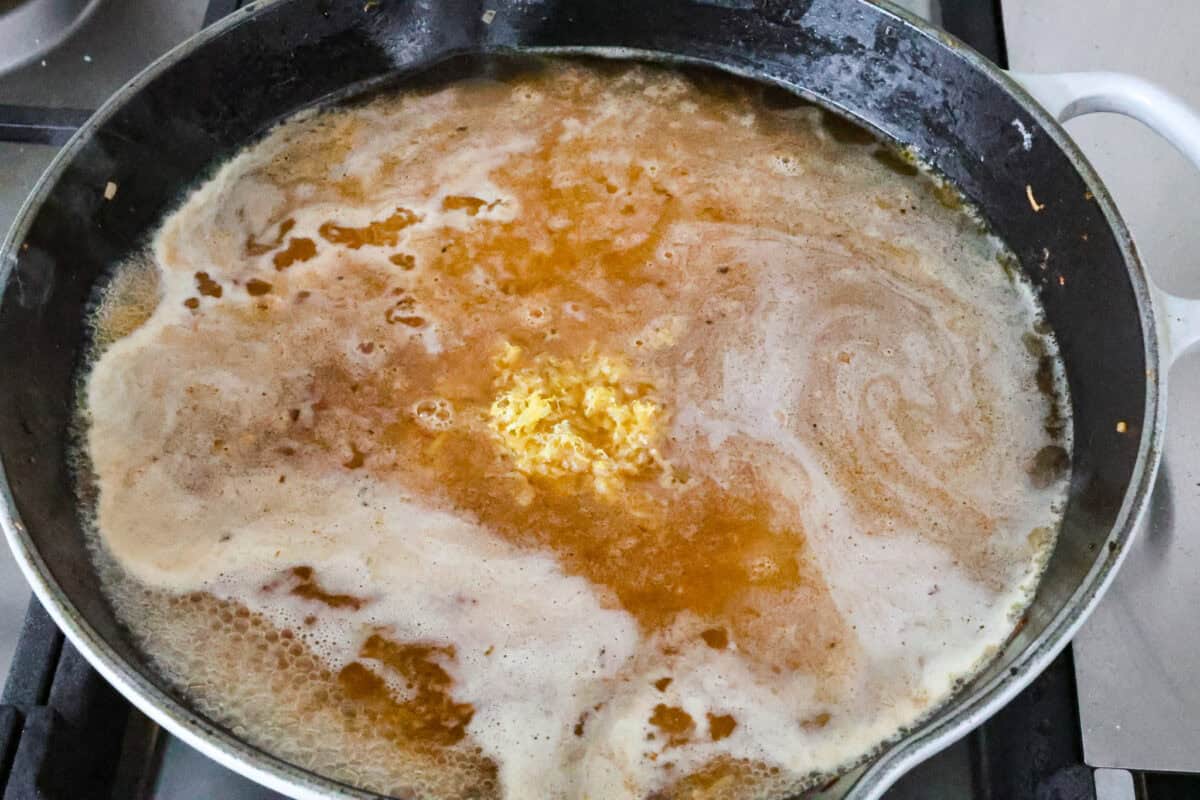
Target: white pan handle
{"points": [[1072, 94]]}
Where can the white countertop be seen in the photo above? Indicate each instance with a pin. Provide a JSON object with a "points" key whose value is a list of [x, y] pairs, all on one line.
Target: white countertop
{"points": [[1137, 657]]}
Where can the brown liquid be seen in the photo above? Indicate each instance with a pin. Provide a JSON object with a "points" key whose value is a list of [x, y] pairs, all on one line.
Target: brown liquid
{"points": [[429, 718], [372, 348], [721, 555], [415, 744]]}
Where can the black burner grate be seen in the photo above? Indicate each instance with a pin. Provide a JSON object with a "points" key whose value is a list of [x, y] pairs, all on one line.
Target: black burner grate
{"points": [[62, 727], [36, 125]]}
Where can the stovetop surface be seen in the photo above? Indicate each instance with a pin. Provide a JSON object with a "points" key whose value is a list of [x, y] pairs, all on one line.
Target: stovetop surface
{"points": [[1033, 748]]}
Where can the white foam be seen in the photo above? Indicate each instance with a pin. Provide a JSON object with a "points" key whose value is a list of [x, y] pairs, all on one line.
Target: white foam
{"points": [[535, 648], [939, 394]]}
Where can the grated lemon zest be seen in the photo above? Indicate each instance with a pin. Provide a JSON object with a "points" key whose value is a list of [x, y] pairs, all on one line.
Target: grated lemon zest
{"points": [[585, 416]]}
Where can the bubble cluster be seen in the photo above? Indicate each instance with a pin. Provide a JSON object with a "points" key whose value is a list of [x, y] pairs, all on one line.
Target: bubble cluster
{"points": [[125, 302], [272, 687], [436, 414]]}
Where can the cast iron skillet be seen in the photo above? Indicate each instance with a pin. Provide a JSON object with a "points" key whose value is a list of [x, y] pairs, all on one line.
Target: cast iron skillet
{"points": [[209, 97]]}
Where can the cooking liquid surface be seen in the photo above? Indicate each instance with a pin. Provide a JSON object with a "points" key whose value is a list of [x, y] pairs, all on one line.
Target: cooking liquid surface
{"points": [[586, 433]]}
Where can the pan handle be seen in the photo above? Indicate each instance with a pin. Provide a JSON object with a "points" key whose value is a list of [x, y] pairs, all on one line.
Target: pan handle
{"points": [[1072, 94]]}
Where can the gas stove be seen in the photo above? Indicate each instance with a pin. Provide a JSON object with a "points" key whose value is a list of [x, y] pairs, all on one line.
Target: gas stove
{"points": [[1115, 717]]}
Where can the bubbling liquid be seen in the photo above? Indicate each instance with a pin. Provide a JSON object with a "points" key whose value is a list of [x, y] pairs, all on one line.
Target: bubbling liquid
{"points": [[585, 433]]}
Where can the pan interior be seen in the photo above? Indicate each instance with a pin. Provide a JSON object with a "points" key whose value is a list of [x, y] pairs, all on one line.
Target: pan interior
{"points": [[756, 406]]}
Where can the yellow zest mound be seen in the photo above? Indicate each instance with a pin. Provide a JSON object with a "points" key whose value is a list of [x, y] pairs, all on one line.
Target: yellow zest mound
{"points": [[584, 417]]}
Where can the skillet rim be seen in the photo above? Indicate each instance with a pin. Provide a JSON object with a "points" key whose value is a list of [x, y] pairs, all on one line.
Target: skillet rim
{"points": [[958, 716]]}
